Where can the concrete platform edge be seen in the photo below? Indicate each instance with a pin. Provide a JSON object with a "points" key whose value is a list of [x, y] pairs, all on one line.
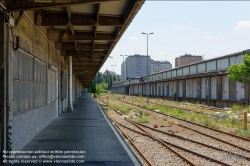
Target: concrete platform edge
{"points": [[129, 151]]}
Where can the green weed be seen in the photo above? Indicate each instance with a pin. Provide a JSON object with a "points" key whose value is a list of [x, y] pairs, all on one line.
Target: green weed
{"points": [[143, 119], [247, 109], [236, 108], [140, 96]]}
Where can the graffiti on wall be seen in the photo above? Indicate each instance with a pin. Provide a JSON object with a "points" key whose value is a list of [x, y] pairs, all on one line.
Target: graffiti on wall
{"points": [[198, 88]]}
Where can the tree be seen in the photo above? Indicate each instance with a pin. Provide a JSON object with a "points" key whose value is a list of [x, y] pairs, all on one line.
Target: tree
{"points": [[107, 80], [102, 87], [98, 78], [92, 88], [114, 78], [240, 72], [111, 82]]}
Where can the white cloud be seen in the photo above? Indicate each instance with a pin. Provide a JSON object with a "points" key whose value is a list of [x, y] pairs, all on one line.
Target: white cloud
{"points": [[215, 38], [134, 39], [242, 25]]}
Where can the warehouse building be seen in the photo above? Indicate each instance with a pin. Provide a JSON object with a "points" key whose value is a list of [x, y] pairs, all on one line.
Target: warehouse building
{"points": [[203, 82]]}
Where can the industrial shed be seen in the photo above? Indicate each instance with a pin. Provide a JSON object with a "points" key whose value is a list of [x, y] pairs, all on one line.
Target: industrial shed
{"points": [[203, 82]]}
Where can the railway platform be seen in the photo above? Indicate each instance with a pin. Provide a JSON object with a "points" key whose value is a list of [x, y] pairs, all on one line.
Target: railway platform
{"points": [[85, 133]]}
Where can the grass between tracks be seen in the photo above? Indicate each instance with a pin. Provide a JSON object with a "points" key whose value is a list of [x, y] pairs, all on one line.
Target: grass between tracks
{"points": [[228, 124]]}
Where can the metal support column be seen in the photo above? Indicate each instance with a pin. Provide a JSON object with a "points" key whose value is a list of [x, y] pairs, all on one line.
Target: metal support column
{"points": [[70, 103]]}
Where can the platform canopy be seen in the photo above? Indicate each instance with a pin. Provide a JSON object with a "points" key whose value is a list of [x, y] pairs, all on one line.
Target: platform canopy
{"points": [[87, 30]]}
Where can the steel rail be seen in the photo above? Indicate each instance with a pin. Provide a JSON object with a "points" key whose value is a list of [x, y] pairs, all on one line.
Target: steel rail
{"points": [[132, 143], [171, 144], [198, 154], [180, 137], [199, 112], [236, 136], [245, 139], [161, 142]]}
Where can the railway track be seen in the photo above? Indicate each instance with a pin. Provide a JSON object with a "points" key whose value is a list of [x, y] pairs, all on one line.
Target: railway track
{"points": [[200, 154], [184, 123], [209, 108], [213, 109], [152, 150], [233, 140], [157, 152], [208, 135]]}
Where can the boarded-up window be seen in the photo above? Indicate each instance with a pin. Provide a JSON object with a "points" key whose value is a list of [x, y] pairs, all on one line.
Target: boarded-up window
{"points": [[52, 88], [28, 85], [40, 82]]}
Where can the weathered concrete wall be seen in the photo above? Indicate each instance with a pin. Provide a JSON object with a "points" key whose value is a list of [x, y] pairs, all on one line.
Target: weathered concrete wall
{"points": [[2, 53], [26, 125]]}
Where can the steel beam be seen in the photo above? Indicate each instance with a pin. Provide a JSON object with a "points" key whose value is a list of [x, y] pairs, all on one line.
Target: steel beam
{"points": [[84, 53], [80, 46], [61, 19], [17, 5], [66, 36]]}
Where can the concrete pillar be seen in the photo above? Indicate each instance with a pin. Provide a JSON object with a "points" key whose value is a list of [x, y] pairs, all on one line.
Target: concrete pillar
{"points": [[2, 84], [70, 104]]}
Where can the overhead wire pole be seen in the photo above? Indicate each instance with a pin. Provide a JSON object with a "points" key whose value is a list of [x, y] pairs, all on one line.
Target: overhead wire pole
{"points": [[123, 76], [147, 60], [113, 67], [112, 76]]}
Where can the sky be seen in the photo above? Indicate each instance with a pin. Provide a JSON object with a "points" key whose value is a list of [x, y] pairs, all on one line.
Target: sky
{"points": [[208, 28]]}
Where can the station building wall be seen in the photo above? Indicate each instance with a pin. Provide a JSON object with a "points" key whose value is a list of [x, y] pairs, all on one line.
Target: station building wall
{"points": [[36, 85]]}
